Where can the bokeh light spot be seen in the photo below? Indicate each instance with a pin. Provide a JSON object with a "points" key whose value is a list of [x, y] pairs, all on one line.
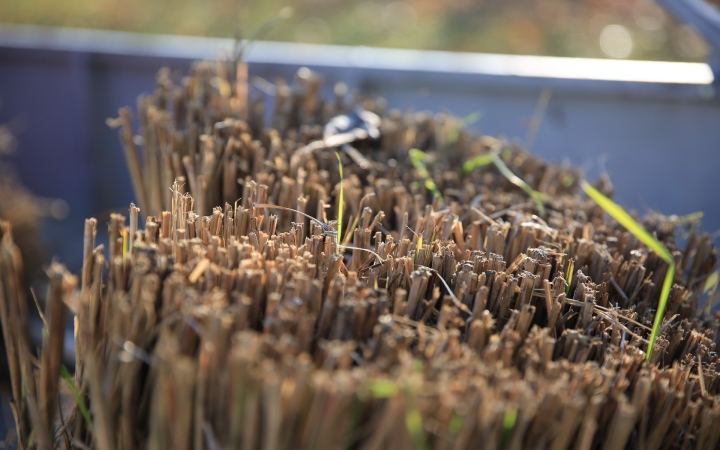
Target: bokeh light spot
{"points": [[616, 41], [399, 18]]}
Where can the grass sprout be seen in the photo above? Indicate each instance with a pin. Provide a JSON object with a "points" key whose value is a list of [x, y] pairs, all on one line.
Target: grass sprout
{"points": [[418, 159], [509, 421], [125, 242], [468, 120], [569, 275], [519, 182], [428, 257], [341, 204], [76, 394], [455, 424], [711, 285], [478, 161], [624, 219], [494, 158], [413, 421], [711, 282], [383, 388], [418, 247]]}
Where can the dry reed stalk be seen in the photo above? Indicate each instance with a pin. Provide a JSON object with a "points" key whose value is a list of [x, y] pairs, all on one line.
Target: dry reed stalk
{"points": [[35, 382]]}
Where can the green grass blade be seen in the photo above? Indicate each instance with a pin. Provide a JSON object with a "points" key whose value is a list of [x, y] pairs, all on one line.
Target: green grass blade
{"points": [[125, 244], [478, 161], [341, 205], [567, 180], [569, 275], [508, 427], [519, 182], [484, 160], [383, 388], [455, 424], [657, 323], [413, 421], [428, 257], [624, 219], [76, 394], [418, 247], [471, 118], [692, 217], [711, 281], [711, 285], [467, 121], [418, 158]]}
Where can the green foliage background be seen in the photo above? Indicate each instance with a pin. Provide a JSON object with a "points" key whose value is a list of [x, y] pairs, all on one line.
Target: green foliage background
{"points": [[547, 27]]}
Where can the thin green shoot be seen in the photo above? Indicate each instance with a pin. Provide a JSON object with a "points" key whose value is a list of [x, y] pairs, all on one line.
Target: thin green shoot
{"points": [[418, 158], [692, 217], [349, 234], [519, 182], [341, 204], [413, 421], [31, 440], [125, 242], [417, 365], [509, 421], [383, 388], [418, 247], [569, 275], [711, 285], [468, 120], [428, 257], [624, 219], [478, 161], [688, 222], [494, 158], [455, 424], [711, 282], [76, 394]]}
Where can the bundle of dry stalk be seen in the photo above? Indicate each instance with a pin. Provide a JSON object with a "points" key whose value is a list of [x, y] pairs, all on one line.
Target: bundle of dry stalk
{"points": [[469, 319]]}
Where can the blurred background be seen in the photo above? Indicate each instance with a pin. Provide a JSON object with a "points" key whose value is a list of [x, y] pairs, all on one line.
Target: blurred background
{"points": [[637, 29]]}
